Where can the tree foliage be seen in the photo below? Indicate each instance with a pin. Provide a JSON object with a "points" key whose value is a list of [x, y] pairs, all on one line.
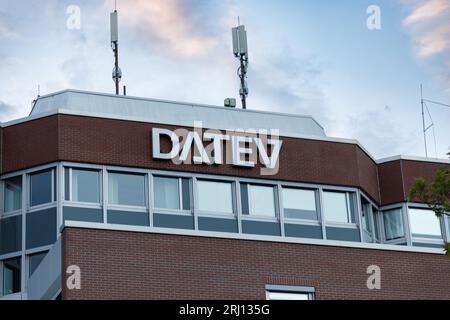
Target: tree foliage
{"points": [[435, 194]]}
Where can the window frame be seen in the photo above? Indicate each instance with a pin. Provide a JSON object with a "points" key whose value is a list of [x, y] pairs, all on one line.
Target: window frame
{"points": [[127, 207], [54, 193], [310, 292], [349, 205], [300, 220], [217, 214], [180, 195], [418, 237], [2, 279], [3, 213], [405, 237], [82, 203], [276, 206], [375, 224]]}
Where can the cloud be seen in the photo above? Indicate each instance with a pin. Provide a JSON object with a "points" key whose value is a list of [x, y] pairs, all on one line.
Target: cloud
{"points": [[428, 24], [5, 110], [378, 131], [174, 26], [6, 31], [427, 10]]}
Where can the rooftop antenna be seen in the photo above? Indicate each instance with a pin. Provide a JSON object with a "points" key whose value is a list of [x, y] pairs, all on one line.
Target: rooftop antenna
{"points": [[116, 73], [425, 129], [423, 121], [240, 51]]}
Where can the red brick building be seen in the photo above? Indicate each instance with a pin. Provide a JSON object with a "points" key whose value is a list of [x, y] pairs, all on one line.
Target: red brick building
{"points": [[138, 198]]}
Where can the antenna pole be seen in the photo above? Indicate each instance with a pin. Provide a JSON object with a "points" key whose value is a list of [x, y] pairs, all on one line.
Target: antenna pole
{"points": [[117, 73], [423, 122], [240, 50], [242, 75], [116, 65]]}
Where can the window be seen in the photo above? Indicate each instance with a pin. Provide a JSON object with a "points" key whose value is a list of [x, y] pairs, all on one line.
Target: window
{"points": [[366, 213], [274, 292], [11, 234], [214, 196], [376, 225], [448, 227], [35, 260], [167, 193], [258, 200], [424, 223], [299, 203], [42, 188], [13, 194], [393, 224], [338, 207], [11, 276], [82, 185], [126, 189]]}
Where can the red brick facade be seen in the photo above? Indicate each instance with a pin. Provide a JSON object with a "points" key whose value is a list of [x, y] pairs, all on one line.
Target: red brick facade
{"points": [[161, 266], [128, 143]]}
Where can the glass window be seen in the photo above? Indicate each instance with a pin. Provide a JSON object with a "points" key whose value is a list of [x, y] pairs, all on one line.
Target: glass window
{"points": [[13, 194], [376, 224], [126, 189], [41, 228], [393, 224], [366, 212], [424, 223], [299, 203], [41, 187], [277, 295], [167, 194], [11, 234], [338, 207], [85, 185], [214, 196], [186, 193], [11, 276], [35, 260], [262, 200]]}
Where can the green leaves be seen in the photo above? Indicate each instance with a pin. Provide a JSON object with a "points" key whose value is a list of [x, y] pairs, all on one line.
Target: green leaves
{"points": [[436, 194], [447, 249]]}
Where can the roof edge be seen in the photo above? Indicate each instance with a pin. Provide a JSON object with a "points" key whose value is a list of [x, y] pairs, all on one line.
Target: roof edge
{"points": [[176, 102]]}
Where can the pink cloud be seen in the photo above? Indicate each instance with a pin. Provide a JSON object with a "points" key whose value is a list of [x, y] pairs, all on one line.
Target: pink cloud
{"points": [[166, 22], [429, 26], [426, 10]]}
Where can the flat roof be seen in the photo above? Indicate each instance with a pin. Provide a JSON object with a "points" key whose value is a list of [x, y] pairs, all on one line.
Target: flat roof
{"points": [[176, 113]]}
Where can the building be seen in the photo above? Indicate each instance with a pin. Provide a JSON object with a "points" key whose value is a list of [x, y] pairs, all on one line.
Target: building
{"points": [[100, 190]]}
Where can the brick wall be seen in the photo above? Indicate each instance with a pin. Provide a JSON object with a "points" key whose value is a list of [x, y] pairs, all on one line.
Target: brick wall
{"points": [[128, 143], [131, 265]]}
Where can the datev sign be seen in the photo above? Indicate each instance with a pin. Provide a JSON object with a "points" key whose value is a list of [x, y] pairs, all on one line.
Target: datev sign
{"points": [[239, 148]]}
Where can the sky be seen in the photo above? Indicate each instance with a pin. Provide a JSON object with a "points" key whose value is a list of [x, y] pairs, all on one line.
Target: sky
{"points": [[313, 57]]}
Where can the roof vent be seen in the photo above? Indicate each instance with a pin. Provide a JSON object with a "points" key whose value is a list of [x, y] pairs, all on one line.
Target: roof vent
{"points": [[229, 103]]}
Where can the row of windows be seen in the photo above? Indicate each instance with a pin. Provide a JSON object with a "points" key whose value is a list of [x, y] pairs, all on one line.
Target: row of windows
{"points": [[213, 196], [175, 194], [217, 197]]}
